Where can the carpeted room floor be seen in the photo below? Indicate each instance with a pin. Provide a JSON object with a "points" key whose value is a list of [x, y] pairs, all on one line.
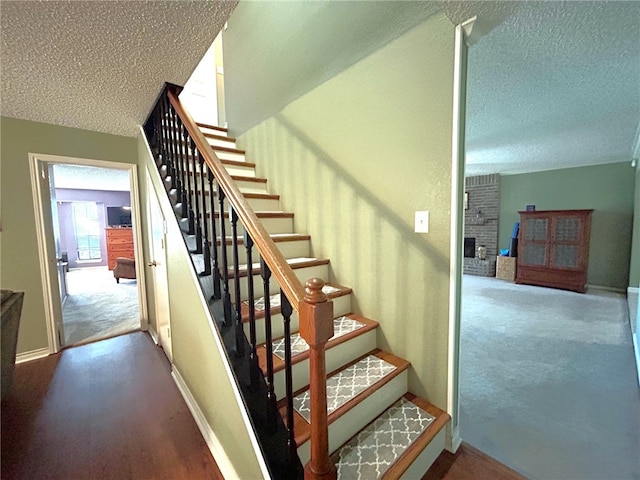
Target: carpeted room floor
{"points": [[97, 307], [548, 384]]}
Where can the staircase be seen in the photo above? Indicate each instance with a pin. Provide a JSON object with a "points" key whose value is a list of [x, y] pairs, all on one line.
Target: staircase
{"points": [[375, 428]]}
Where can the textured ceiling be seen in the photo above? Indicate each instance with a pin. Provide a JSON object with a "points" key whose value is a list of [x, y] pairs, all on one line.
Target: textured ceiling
{"points": [[552, 84], [556, 84], [90, 178], [99, 65]]}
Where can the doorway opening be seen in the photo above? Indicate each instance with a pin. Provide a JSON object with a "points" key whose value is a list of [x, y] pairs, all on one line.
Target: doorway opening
{"points": [[88, 225]]}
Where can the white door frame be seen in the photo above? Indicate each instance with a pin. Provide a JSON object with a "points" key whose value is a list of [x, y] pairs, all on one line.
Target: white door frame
{"points": [[462, 34], [38, 165], [160, 337]]}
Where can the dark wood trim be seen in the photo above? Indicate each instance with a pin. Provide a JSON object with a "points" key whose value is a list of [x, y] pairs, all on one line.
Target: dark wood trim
{"points": [[469, 462], [212, 127]]}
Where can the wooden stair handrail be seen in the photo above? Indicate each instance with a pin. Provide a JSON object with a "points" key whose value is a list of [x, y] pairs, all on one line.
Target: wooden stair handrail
{"points": [[314, 308], [280, 269]]}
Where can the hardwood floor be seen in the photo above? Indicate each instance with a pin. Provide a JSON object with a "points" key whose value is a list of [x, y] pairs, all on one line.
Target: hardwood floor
{"points": [[110, 410], [469, 463], [106, 410]]}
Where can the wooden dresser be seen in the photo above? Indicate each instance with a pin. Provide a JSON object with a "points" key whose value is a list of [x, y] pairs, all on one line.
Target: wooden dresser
{"points": [[553, 248], [119, 244]]}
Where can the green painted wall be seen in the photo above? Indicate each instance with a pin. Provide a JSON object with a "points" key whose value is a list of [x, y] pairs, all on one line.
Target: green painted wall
{"points": [[634, 271], [354, 159], [197, 354], [608, 189], [19, 261]]}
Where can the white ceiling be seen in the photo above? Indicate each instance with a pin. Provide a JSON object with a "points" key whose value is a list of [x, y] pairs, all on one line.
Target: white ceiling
{"points": [[90, 178], [99, 65], [553, 84]]}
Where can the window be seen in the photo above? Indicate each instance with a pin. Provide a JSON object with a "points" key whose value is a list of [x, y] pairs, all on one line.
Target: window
{"points": [[87, 230]]}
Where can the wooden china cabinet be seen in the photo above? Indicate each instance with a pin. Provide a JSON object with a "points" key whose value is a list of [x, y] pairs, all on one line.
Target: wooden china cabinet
{"points": [[553, 248]]}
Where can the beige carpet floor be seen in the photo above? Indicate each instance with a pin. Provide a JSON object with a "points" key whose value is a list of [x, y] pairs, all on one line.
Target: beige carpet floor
{"points": [[97, 307], [548, 382]]}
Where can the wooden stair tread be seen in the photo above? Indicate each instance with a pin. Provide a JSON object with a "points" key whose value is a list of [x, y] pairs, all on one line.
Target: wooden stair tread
{"points": [[256, 196], [218, 137], [419, 444], [237, 178], [275, 238], [217, 148], [234, 163], [212, 127], [240, 178], [302, 428], [259, 214], [275, 310], [293, 263]]}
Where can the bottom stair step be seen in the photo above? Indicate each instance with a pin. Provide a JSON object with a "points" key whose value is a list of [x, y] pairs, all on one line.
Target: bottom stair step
{"points": [[403, 441]]}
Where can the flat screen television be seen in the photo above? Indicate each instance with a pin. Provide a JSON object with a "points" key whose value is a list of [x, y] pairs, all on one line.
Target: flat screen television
{"points": [[119, 216]]}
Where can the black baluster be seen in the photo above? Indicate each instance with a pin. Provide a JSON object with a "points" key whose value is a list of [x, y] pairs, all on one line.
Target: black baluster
{"points": [[191, 155], [175, 158], [233, 217], [272, 408], [171, 158], [226, 296], [212, 215], [184, 176], [201, 206], [287, 310], [185, 155], [254, 367]]}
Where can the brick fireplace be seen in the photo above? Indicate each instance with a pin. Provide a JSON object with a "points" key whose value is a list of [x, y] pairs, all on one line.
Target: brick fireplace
{"points": [[481, 224]]}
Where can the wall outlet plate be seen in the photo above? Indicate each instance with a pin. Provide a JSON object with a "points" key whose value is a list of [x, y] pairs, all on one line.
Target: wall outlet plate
{"points": [[422, 222]]}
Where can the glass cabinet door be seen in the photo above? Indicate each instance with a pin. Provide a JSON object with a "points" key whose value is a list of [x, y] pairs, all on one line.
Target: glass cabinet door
{"points": [[535, 236]]}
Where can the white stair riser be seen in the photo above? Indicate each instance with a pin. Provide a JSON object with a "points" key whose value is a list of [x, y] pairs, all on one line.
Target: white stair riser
{"points": [[220, 142], [222, 155], [335, 358], [214, 131], [238, 170], [356, 418], [257, 204], [424, 461], [303, 274], [341, 306], [251, 187], [272, 225], [293, 249]]}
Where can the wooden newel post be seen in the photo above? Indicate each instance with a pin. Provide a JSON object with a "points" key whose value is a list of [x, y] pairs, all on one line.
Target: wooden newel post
{"points": [[316, 327]]}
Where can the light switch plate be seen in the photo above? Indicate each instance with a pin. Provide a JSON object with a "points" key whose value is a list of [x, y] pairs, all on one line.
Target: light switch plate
{"points": [[422, 222]]}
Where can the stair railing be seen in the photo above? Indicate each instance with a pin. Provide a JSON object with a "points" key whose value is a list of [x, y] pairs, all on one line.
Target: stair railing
{"points": [[192, 170]]}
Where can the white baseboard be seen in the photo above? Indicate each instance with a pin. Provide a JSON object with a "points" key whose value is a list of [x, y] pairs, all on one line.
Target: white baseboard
{"points": [[633, 290], [153, 334], [32, 355], [606, 289], [220, 456], [636, 349], [453, 439]]}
